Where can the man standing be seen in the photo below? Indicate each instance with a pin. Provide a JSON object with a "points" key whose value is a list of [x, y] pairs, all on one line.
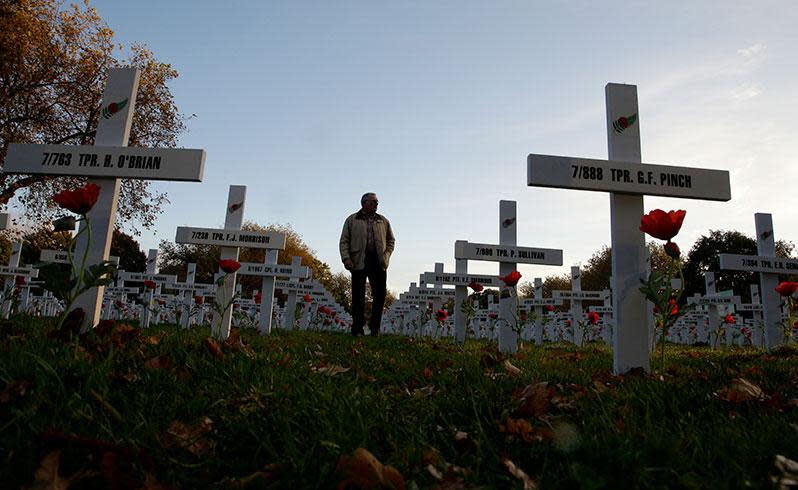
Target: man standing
{"points": [[366, 246]]}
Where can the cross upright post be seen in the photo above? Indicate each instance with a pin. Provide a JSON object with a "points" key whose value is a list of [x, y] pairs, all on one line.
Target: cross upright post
{"points": [[508, 305], [122, 85]]}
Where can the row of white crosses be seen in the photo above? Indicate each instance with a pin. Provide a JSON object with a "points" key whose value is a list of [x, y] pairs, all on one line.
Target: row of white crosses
{"points": [[576, 296], [627, 180], [623, 176], [231, 239]]}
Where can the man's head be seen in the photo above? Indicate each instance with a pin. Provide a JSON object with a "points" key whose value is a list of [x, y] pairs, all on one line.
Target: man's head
{"points": [[369, 203]]}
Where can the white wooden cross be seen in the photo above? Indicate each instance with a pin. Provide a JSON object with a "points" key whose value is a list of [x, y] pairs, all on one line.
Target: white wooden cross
{"points": [[12, 271], [769, 267], [289, 312], [509, 256], [105, 163], [713, 300], [461, 279], [269, 272], [627, 180], [755, 307], [538, 303], [576, 296], [230, 239]]}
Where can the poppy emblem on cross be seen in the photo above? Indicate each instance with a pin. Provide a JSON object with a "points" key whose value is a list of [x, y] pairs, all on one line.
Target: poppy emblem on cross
{"points": [[113, 108], [624, 122]]}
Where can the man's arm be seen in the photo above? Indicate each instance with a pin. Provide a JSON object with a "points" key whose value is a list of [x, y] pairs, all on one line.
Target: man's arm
{"points": [[390, 241], [343, 245]]}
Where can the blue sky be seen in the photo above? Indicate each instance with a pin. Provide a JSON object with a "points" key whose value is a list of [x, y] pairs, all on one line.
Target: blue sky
{"points": [[435, 106]]}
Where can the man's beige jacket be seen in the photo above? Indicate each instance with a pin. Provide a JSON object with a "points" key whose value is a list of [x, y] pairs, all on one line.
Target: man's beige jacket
{"points": [[355, 234]]}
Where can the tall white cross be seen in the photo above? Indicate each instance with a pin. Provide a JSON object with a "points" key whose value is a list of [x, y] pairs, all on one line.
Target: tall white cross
{"points": [[105, 163], [769, 267], [627, 180]]}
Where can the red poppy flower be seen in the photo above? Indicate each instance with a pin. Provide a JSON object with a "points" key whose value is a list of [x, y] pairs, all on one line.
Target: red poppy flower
{"points": [[662, 225], [672, 250], [258, 298], [787, 288], [149, 284], [728, 319], [229, 265], [477, 287], [441, 315], [674, 307], [80, 200], [511, 279], [593, 317], [199, 300], [549, 308], [306, 298]]}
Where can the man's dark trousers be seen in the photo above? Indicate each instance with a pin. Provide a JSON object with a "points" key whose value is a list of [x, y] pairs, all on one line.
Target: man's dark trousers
{"points": [[376, 276]]}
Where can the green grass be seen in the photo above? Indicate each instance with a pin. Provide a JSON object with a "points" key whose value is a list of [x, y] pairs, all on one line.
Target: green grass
{"points": [[109, 409]]}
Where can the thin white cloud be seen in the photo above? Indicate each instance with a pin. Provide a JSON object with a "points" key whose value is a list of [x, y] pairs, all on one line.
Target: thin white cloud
{"points": [[751, 51]]}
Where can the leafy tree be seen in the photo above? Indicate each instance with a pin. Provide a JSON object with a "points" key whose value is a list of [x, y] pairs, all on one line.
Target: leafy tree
{"points": [[705, 256], [5, 248], [131, 257], [341, 289], [41, 239], [54, 62]]}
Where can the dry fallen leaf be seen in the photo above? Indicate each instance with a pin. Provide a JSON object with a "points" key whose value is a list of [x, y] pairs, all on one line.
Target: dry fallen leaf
{"points": [[427, 373], [150, 483], [152, 340], [741, 390], [524, 430], [46, 476], [511, 369], [158, 362], [535, 399], [787, 473], [331, 370], [192, 439], [213, 347], [267, 475], [517, 472], [363, 470]]}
